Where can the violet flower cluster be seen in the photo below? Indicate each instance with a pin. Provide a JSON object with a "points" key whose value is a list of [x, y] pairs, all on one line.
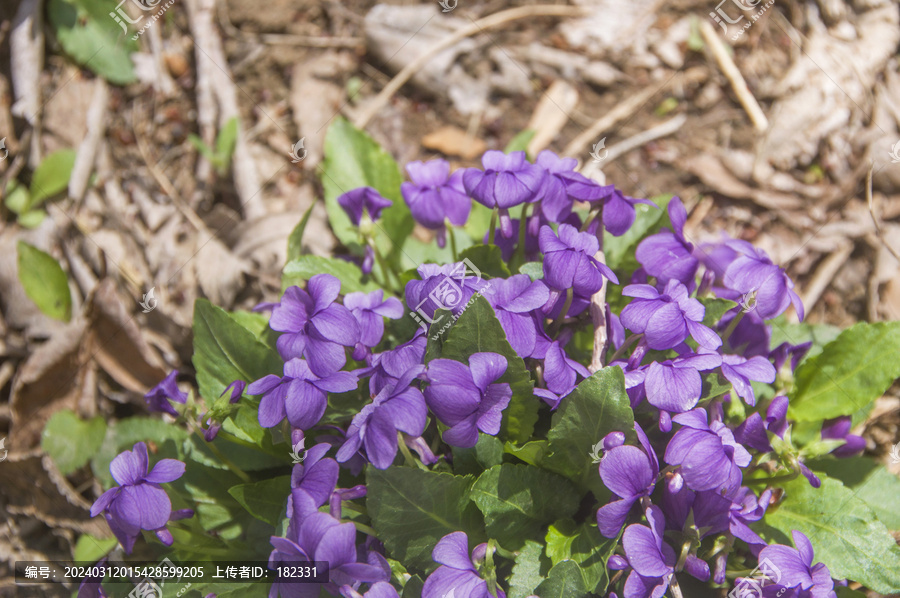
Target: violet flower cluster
{"points": [[681, 477]]}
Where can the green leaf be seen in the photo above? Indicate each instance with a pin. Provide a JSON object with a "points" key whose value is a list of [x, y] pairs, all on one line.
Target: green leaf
{"points": [[519, 500], [488, 259], [32, 218], [17, 197], [796, 333], [520, 142], [477, 330], [412, 509], [534, 270], [305, 267], [598, 406], [413, 587], [295, 240], [91, 549], [843, 530], [264, 500], [715, 309], [94, 43], [526, 573], [619, 251], [352, 160], [531, 452], [584, 545], [200, 145], [486, 453], [44, 282], [226, 140], [844, 592], [51, 177], [71, 441], [564, 581], [224, 351], [851, 372], [882, 488], [479, 221]]}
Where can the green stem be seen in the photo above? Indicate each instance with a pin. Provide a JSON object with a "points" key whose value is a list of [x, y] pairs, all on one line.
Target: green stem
{"points": [[570, 294], [591, 217], [225, 460], [492, 229], [732, 325], [362, 527], [519, 257], [452, 236], [407, 455], [386, 272], [625, 345], [775, 480]]}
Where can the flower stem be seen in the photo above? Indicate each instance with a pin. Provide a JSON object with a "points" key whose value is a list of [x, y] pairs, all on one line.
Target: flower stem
{"points": [[732, 325], [225, 460], [450, 233], [676, 589], [362, 527], [407, 455], [519, 257], [591, 217], [775, 480], [492, 229], [382, 263], [570, 294], [627, 343]]}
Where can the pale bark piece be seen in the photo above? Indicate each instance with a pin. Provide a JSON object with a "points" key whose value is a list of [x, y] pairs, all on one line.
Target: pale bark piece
{"points": [[551, 114], [87, 150], [26, 41]]}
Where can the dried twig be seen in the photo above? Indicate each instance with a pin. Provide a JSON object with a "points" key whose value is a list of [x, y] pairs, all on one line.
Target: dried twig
{"points": [[489, 22], [598, 317], [822, 278], [620, 112], [87, 150], [871, 204], [635, 141], [551, 114], [26, 45], [733, 74]]}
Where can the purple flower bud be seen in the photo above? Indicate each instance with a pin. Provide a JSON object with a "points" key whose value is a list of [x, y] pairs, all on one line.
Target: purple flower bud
{"points": [[364, 200], [158, 397]]}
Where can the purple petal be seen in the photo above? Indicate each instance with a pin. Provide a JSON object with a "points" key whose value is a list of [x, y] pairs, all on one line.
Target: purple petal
{"points": [[486, 368], [643, 552], [166, 470], [304, 404], [611, 516], [103, 501], [129, 467], [336, 324]]}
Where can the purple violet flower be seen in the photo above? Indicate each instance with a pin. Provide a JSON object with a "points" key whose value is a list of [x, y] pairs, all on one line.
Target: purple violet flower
{"points": [[506, 181], [138, 503], [381, 589], [158, 397], [314, 326], [397, 407], [435, 195], [795, 568], [560, 371], [563, 186], [363, 201], [740, 371], [753, 272], [370, 309], [386, 368], [630, 473], [467, 398], [321, 537], [675, 385], [514, 300], [458, 574], [300, 394], [569, 261], [442, 287], [839, 429], [668, 255], [666, 318], [618, 212], [652, 560], [315, 476], [90, 586], [709, 456]]}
